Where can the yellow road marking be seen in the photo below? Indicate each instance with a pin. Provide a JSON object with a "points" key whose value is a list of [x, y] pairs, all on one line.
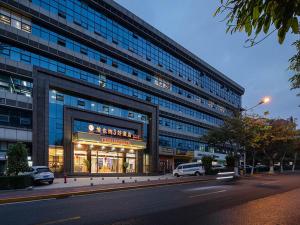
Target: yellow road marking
{"points": [[60, 221]]}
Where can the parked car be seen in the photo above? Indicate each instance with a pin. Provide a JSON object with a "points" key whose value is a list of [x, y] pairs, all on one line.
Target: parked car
{"points": [[218, 168], [41, 174], [248, 168], [189, 169], [261, 168]]}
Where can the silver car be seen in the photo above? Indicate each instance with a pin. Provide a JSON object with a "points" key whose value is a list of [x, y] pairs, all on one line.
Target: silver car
{"points": [[41, 174], [189, 169]]}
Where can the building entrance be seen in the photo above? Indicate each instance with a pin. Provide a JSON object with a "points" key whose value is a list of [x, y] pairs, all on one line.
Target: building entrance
{"points": [[93, 154]]}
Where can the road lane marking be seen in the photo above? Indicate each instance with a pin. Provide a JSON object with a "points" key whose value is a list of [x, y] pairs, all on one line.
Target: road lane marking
{"points": [[203, 188], [204, 194], [25, 202], [60, 221]]}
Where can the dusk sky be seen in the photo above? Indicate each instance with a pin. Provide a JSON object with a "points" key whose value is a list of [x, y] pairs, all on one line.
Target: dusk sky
{"points": [[261, 70]]}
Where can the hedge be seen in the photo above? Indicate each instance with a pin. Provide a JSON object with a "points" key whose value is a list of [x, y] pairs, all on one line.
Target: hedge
{"points": [[15, 182]]}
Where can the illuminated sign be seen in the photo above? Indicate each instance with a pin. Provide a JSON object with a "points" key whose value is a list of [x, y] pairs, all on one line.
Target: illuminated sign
{"points": [[115, 141], [113, 132]]}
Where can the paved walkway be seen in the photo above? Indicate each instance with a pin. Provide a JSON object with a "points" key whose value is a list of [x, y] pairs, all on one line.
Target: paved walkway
{"points": [[88, 181]]}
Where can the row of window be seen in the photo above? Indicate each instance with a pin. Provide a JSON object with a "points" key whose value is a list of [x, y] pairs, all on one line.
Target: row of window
{"points": [[91, 53], [64, 99], [160, 101], [81, 14], [15, 85], [182, 127], [17, 54], [15, 20], [15, 118], [181, 144]]}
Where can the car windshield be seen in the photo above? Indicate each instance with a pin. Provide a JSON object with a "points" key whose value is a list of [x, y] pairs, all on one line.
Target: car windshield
{"points": [[43, 170]]}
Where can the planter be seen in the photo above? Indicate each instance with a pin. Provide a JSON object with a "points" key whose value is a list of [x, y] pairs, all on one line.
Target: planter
{"points": [[15, 182]]}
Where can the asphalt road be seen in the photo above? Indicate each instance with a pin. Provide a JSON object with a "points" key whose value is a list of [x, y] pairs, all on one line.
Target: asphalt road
{"points": [[268, 200]]}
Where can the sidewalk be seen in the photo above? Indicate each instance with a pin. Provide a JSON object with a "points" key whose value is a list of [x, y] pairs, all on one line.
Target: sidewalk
{"points": [[87, 181], [63, 192]]}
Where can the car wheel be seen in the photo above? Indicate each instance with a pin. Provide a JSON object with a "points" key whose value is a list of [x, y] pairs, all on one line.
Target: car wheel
{"points": [[50, 182], [176, 175], [197, 174]]}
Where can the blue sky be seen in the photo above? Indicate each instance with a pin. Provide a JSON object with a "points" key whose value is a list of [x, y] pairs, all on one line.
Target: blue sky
{"points": [[261, 70]]}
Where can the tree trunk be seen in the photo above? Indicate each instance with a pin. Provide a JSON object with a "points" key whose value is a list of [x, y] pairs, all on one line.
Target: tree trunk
{"points": [[271, 164], [253, 162], [295, 160], [245, 157], [281, 162], [236, 164]]}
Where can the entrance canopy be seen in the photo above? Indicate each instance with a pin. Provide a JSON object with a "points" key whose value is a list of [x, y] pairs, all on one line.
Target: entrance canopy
{"points": [[102, 140]]}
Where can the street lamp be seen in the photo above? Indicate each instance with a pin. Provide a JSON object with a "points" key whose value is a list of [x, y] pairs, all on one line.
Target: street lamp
{"points": [[264, 100]]}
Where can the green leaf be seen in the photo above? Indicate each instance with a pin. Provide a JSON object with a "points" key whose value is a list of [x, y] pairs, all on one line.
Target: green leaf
{"points": [[267, 24], [259, 25], [217, 11], [228, 28], [281, 35], [277, 23], [255, 13], [295, 25]]}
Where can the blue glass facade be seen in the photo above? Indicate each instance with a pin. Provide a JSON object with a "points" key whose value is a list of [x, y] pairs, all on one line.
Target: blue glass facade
{"points": [[57, 100], [79, 13], [190, 100], [20, 55]]}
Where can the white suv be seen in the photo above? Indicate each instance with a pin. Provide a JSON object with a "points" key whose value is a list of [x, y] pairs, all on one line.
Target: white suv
{"points": [[41, 174], [189, 169]]}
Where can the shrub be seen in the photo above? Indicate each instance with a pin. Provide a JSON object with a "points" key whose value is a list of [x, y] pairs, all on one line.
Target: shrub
{"points": [[15, 182], [207, 164], [230, 161], [17, 159]]}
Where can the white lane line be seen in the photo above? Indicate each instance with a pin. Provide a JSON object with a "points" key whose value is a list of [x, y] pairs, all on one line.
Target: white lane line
{"points": [[25, 202], [204, 194], [61, 221], [204, 188]]}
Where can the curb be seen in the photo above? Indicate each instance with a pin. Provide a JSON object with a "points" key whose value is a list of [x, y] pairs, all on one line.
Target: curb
{"points": [[104, 190]]}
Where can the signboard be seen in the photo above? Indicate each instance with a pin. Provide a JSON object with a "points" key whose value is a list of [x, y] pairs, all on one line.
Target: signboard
{"points": [[113, 141], [113, 132], [185, 153], [166, 151]]}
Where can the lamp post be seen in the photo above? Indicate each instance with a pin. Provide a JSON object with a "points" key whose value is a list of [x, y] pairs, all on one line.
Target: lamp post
{"points": [[264, 100]]}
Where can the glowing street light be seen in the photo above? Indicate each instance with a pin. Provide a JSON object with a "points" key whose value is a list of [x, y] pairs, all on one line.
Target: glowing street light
{"points": [[264, 100]]}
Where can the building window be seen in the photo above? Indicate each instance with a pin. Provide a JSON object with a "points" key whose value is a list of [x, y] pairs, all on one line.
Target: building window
{"points": [[61, 42], [14, 20], [134, 72], [114, 64], [60, 98], [83, 51], [130, 114], [80, 103], [25, 58], [25, 121], [105, 109], [103, 59], [5, 19], [61, 69], [61, 14], [16, 24], [4, 118]]}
